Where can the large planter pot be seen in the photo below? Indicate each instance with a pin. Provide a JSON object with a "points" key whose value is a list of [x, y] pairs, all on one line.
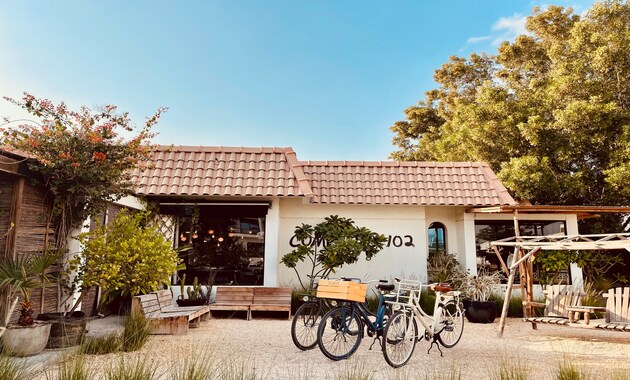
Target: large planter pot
{"points": [[480, 311], [25, 340], [188, 302], [65, 331]]}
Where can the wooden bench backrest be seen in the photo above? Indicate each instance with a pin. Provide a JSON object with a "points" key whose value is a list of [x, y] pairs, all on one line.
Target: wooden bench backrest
{"points": [[272, 296], [147, 304], [559, 297], [234, 295], [165, 298], [618, 305]]}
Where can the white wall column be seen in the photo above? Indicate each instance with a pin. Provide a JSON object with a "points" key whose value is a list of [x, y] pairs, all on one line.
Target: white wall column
{"points": [[272, 232], [467, 252], [74, 250], [577, 277]]}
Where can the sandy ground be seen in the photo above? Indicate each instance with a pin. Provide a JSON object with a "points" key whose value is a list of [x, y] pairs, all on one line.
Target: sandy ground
{"points": [[264, 346]]}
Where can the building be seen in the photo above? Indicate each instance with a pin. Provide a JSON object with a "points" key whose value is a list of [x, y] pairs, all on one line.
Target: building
{"points": [[237, 209]]}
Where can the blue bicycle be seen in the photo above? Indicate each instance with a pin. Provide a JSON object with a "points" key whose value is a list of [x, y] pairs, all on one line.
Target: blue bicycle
{"points": [[341, 329]]}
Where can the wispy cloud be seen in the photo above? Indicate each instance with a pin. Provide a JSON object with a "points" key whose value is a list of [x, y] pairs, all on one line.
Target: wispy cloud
{"points": [[504, 29], [475, 40]]}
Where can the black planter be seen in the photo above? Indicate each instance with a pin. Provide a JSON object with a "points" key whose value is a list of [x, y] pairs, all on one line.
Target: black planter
{"points": [[188, 302], [65, 331], [480, 311]]}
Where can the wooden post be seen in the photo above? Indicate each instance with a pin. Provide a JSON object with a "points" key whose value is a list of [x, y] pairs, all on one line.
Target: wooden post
{"points": [[506, 302]]}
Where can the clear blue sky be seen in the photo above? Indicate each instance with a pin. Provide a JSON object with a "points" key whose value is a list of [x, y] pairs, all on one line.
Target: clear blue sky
{"points": [[327, 78]]}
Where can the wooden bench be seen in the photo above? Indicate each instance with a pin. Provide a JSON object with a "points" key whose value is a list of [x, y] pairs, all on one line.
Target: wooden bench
{"points": [[249, 298], [271, 299], [558, 300], [617, 310], [166, 318], [234, 298]]}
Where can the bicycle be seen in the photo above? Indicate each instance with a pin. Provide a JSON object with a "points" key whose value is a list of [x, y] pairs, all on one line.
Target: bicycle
{"points": [[445, 327], [341, 329], [307, 317]]}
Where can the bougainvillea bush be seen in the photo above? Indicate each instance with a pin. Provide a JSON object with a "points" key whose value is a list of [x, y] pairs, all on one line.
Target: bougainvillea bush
{"points": [[84, 157]]}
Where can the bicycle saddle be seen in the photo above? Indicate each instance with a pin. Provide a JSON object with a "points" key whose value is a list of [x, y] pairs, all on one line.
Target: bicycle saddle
{"points": [[386, 287], [443, 288]]}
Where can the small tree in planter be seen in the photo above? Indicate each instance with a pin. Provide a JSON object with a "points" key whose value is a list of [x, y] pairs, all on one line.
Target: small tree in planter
{"points": [[331, 244], [20, 276], [127, 257]]}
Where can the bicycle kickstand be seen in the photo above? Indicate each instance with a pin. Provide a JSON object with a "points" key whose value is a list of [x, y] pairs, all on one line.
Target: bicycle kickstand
{"points": [[436, 345], [374, 341]]}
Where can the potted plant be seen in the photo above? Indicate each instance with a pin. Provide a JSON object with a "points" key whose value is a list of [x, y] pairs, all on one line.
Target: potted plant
{"points": [[20, 276], [477, 290], [196, 294]]}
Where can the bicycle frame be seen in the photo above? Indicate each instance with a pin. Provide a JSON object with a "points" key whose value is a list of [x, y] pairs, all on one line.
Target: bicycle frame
{"points": [[430, 323]]}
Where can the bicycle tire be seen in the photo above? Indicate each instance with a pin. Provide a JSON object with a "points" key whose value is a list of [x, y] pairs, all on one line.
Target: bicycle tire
{"points": [[305, 325], [399, 338], [451, 323], [340, 332]]}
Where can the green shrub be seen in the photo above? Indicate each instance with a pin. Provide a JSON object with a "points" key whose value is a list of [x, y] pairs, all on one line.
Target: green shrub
{"points": [[568, 370], [136, 332], [127, 257]]}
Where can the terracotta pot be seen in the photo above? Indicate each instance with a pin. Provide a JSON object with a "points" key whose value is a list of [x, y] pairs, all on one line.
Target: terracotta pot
{"points": [[65, 331], [26, 340], [480, 311]]}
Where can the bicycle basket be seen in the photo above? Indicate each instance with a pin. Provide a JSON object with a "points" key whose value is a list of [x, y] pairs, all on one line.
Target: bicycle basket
{"points": [[408, 293], [342, 290]]}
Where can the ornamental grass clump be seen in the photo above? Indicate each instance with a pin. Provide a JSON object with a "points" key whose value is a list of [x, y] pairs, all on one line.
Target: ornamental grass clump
{"points": [[136, 333]]}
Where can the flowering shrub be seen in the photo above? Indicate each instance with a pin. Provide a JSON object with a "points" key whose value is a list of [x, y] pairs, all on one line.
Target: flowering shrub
{"points": [[80, 156]]}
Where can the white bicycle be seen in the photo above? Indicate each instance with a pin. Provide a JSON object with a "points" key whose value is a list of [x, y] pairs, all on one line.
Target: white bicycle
{"points": [[445, 327]]}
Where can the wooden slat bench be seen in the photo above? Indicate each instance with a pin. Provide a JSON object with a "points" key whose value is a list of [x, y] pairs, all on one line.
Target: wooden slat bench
{"points": [[165, 318], [617, 310], [234, 298], [249, 298], [272, 299], [558, 300]]}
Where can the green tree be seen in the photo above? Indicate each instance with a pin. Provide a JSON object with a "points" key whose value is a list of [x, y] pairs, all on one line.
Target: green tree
{"points": [[550, 112], [331, 244], [127, 257]]}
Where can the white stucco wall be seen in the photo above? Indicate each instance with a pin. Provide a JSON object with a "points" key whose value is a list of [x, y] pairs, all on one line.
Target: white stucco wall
{"points": [[404, 224]]}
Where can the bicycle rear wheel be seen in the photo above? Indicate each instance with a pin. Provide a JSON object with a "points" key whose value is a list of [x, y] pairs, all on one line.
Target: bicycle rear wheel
{"points": [[340, 332], [451, 324], [304, 326], [399, 338]]}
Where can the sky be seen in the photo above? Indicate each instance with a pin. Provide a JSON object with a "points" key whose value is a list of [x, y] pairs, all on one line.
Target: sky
{"points": [[327, 78]]}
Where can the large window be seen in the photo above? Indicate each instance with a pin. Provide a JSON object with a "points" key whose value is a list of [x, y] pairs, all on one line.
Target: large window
{"points": [[223, 243], [487, 231]]}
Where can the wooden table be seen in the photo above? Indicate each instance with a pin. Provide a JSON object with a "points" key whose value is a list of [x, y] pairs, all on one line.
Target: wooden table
{"points": [[574, 312]]}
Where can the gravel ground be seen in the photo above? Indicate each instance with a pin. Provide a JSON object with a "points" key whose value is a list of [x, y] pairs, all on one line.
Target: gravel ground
{"points": [[264, 346]]}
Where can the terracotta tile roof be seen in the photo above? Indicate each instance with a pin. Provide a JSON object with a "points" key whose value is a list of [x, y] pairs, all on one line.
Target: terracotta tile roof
{"points": [[223, 171], [253, 172], [405, 183]]}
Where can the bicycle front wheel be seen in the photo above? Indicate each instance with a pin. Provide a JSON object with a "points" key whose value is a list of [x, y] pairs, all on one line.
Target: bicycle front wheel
{"points": [[451, 323], [304, 326], [399, 338], [340, 332]]}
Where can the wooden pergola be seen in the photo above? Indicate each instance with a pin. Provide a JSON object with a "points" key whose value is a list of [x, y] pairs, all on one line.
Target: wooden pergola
{"points": [[527, 247]]}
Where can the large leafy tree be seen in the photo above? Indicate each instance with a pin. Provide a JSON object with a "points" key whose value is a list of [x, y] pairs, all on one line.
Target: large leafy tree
{"points": [[550, 112]]}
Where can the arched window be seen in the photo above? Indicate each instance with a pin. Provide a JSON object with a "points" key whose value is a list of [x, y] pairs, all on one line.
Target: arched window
{"points": [[437, 237]]}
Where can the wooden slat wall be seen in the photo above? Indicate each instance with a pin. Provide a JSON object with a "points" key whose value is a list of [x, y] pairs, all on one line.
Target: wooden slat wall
{"points": [[6, 195]]}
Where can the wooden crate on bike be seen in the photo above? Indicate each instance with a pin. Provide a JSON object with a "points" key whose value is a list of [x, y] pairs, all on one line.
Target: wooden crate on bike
{"points": [[342, 290]]}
